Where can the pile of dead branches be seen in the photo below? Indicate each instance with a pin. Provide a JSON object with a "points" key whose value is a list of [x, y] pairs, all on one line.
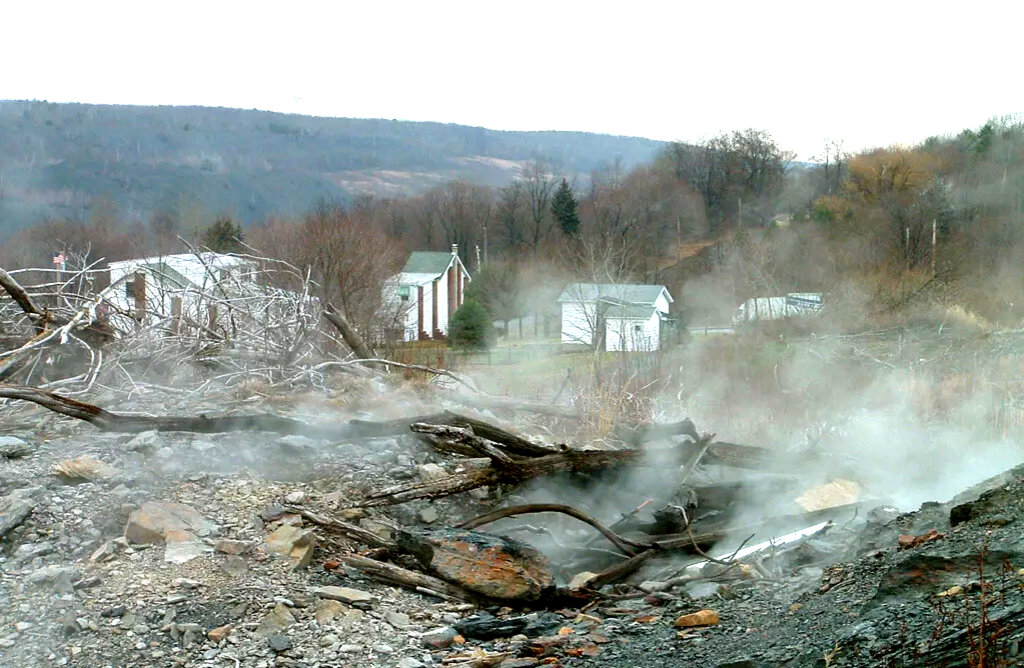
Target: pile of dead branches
{"points": [[70, 329]]}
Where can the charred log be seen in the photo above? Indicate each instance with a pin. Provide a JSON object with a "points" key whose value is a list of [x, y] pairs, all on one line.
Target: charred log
{"points": [[403, 577], [494, 567]]}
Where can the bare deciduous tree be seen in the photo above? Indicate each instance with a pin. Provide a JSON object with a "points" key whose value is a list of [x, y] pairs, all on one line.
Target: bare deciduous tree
{"points": [[540, 181]]}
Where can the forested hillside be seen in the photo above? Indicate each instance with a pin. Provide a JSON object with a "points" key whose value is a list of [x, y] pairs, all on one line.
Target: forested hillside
{"points": [[58, 160]]}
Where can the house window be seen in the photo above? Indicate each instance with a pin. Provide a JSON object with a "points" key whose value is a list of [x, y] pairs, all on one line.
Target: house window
{"points": [[129, 290], [403, 292], [638, 329]]}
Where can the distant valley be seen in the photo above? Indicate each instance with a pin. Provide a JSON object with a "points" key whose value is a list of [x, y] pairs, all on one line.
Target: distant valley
{"points": [[63, 161]]}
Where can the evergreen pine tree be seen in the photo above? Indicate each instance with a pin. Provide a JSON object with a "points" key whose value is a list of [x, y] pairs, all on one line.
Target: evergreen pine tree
{"points": [[470, 327], [223, 236], [566, 210]]}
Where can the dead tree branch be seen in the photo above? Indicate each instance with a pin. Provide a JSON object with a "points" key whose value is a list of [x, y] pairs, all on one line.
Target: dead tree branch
{"points": [[413, 580], [628, 547], [348, 332]]}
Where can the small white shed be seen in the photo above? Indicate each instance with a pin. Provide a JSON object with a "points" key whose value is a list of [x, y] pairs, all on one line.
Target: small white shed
{"points": [[165, 280], [617, 317]]}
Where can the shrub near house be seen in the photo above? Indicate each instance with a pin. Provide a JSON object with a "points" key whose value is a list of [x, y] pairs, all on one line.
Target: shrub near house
{"points": [[471, 327]]}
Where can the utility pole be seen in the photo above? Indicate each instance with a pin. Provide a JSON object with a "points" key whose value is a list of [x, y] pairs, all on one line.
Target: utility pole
{"points": [[679, 239], [934, 230], [478, 257], [739, 216], [906, 245], [485, 244]]}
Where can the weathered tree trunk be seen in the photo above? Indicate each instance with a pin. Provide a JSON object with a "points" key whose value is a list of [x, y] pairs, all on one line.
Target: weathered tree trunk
{"points": [[22, 298], [348, 332]]}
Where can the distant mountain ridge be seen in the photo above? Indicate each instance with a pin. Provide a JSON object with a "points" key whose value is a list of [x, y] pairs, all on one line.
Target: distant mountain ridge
{"points": [[57, 159]]}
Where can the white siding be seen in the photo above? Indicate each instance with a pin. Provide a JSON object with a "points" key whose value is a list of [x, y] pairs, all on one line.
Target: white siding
{"points": [[442, 303], [633, 334], [661, 303], [578, 322]]}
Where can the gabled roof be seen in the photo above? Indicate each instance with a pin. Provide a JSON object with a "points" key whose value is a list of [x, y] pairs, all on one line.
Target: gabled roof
{"points": [[166, 274], [422, 267], [619, 292], [630, 311], [427, 262], [218, 260]]}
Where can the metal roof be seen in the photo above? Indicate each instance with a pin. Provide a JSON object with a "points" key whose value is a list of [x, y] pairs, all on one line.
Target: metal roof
{"points": [[621, 292], [427, 262], [165, 273], [630, 312]]}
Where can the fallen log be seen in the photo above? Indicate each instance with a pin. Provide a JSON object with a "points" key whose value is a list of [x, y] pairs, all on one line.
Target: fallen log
{"points": [[515, 472], [646, 433], [345, 528], [520, 470], [512, 443], [473, 445], [119, 422], [495, 567], [396, 575]]}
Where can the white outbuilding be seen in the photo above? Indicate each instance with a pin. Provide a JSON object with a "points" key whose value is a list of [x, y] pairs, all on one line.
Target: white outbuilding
{"points": [[615, 317], [171, 284]]}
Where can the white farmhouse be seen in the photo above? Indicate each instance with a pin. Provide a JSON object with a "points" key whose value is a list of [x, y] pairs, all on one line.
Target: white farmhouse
{"points": [[163, 284], [615, 317], [428, 291]]}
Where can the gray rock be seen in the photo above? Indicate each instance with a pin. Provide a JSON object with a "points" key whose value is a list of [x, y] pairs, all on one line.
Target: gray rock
{"points": [[381, 648], [439, 638], [329, 639], [702, 589], [181, 551], [147, 441], [13, 511], [12, 447], [428, 515], [296, 442], [279, 642], [399, 620], [276, 621], [105, 552], [69, 625], [409, 662], [227, 546], [344, 594], [53, 574], [29, 551], [156, 521], [431, 472]]}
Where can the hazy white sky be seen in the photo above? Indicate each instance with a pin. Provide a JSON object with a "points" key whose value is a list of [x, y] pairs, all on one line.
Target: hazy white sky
{"points": [[868, 73]]}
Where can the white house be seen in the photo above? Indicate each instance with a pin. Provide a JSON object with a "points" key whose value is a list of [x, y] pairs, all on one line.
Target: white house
{"points": [[428, 291], [166, 282], [615, 317]]}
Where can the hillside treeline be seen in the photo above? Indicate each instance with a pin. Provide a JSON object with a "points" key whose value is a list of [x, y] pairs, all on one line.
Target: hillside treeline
{"points": [[57, 160], [899, 232]]}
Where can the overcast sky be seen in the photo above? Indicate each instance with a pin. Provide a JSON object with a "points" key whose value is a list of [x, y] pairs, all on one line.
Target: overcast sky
{"points": [[867, 73]]}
